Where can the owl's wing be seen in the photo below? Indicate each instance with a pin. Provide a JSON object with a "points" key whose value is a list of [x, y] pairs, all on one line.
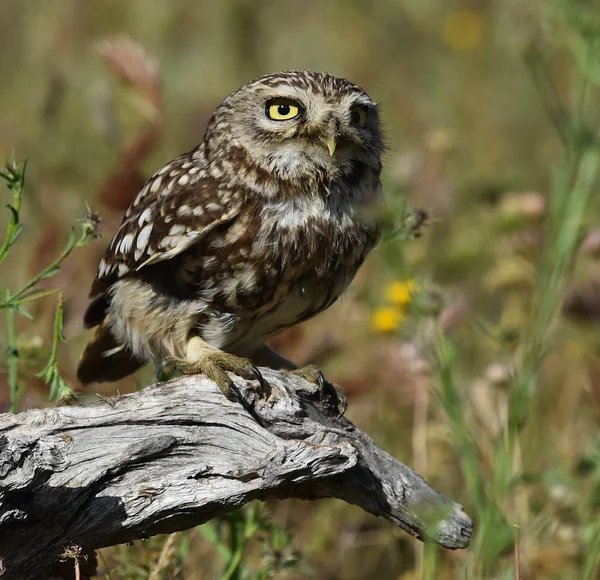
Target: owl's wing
{"points": [[176, 207]]}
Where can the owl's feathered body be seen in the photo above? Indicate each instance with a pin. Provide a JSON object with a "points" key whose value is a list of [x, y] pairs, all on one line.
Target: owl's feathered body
{"points": [[255, 230]]}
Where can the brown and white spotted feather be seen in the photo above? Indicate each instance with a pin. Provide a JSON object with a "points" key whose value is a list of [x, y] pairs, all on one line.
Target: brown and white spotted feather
{"points": [[253, 231]]}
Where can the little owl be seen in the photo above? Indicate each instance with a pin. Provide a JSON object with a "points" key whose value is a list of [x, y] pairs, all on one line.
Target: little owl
{"points": [[260, 227]]}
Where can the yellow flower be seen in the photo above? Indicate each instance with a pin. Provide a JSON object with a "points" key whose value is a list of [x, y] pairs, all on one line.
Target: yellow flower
{"points": [[400, 293], [386, 319], [463, 30]]}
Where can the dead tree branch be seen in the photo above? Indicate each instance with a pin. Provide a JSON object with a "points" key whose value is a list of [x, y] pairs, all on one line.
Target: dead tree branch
{"points": [[178, 454]]}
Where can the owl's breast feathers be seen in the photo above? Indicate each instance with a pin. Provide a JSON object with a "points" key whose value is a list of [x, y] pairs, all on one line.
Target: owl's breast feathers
{"points": [[316, 240]]}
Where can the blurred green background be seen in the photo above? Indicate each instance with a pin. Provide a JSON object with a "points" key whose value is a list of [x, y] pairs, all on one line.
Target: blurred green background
{"points": [[99, 94]]}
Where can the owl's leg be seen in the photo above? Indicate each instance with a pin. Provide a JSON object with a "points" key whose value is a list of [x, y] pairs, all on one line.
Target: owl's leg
{"points": [[201, 358], [269, 357]]}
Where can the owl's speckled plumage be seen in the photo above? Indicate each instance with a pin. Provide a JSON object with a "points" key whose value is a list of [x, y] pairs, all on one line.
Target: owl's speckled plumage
{"points": [[258, 228]]}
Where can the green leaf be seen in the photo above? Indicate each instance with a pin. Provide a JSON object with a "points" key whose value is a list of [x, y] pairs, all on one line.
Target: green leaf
{"points": [[50, 374], [585, 57], [50, 272], [15, 235], [71, 241], [22, 311]]}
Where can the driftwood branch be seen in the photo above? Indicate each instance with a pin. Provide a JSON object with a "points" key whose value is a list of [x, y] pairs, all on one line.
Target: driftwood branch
{"points": [[178, 454]]}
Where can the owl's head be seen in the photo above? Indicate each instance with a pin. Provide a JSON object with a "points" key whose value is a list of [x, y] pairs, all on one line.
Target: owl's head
{"points": [[299, 124]]}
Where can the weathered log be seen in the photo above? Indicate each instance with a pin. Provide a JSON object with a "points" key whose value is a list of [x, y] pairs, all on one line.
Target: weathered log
{"points": [[178, 454]]}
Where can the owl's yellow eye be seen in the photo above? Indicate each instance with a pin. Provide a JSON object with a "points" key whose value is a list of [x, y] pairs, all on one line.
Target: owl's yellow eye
{"points": [[282, 109], [358, 115]]}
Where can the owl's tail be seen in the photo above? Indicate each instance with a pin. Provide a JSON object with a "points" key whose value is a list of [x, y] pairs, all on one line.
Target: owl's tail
{"points": [[105, 360]]}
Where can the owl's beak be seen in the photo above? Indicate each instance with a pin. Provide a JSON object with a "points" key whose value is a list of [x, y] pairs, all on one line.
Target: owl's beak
{"points": [[331, 145], [332, 133]]}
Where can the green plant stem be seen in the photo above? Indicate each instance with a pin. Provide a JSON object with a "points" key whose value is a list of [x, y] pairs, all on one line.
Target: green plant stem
{"points": [[210, 532], [568, 203], [51, 374], [565, 222], [49, 270], [453, 406], [58, 331], [12, 360], [593, 555], [585, 82], [105, 564], [14, 176], [37, 295], [542, 79], [430, 561], [238, 546], [493, 534], [13, 229], [517, 553]]}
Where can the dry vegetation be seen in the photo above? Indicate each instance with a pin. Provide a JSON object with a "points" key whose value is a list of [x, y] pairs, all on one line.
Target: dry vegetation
{"points": [[470, 353]]}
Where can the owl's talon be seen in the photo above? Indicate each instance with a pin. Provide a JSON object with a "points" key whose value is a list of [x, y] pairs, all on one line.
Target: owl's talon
{"points": [[165, 367], [158, 371], [342, 404], [329, 393], [321, 379], [263, 386], [215, 364]]}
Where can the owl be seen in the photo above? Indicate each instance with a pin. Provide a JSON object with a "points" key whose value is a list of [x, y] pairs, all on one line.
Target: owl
{"points": [[260, 227]]}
